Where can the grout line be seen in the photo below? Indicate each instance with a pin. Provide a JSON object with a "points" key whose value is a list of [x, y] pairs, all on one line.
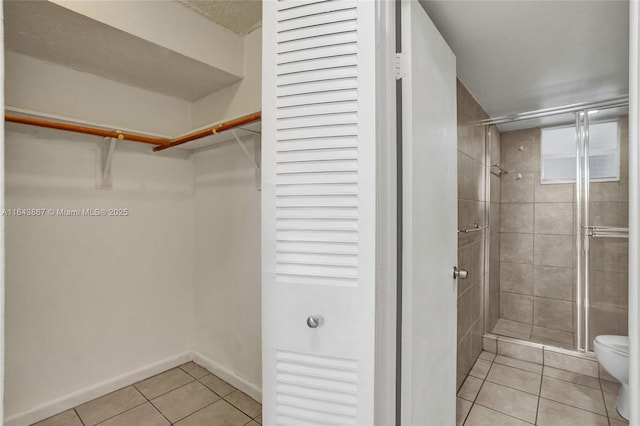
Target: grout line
{"points": [[606, 409], [116, 415], [539, 394], [78, 415], [577, 408]]}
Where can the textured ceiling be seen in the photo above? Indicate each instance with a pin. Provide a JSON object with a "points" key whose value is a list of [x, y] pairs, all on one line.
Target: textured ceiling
{"points": [[46, 31], [516, 56], [240, 16]]}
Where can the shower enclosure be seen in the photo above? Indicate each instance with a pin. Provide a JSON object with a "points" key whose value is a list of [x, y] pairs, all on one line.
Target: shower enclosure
{"points": [[557, 246]]}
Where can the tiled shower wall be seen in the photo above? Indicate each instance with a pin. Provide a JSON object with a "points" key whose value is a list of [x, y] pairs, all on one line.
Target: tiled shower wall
{"points": [[537, 244], [493, 275], [471, 209], [608, 262], [537, 252]]}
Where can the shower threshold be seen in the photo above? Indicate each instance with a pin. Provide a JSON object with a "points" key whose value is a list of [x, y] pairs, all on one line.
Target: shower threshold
{"points": [[532, 333]]}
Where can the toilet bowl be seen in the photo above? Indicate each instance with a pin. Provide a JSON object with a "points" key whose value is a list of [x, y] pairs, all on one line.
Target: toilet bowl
{"points": [[613, 354]]}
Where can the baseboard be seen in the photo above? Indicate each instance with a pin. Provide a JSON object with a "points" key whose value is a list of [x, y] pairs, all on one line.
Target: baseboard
{"points": [[233, 379], [87, 394]]}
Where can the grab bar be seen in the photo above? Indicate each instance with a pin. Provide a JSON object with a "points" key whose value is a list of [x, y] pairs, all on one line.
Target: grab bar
{"points": [[476, 227]]}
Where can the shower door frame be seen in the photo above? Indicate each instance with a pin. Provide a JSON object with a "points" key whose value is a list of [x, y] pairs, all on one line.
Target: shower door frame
{"points": [[581, 199]]}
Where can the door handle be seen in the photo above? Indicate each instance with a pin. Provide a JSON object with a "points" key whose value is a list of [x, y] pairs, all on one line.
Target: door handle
{"points": [[314, 321], [460, 273]]}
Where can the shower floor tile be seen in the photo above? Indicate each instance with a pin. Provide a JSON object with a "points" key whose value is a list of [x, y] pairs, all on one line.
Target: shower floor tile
{"points": [[530, 333], [186, 395], [518, 393]]}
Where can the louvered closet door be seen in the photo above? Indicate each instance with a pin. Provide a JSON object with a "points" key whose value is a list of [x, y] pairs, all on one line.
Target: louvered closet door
{"points": [[318, 210]]}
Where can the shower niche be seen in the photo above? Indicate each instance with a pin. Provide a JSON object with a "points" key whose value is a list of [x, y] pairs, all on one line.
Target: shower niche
{"points": [[557, 242]]}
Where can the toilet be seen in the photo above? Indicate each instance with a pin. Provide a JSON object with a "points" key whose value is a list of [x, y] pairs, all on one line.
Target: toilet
{"points": [[613, 354]]}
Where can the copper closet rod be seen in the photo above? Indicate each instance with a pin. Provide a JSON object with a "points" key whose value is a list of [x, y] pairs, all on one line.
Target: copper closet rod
{"points": [[161, 143]]}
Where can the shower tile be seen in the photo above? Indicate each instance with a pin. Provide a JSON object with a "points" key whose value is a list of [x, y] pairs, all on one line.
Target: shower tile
{"points": [[464, 359], [487, 356], [509, 401], [553, 282], [494, 218], [514, 329], [518, 363], [462, 409], [520, 351], [482, 416], [516, 307], [554, 250], [553, 313], [490, 344], [516, 248], [516, 190], [516, 217], [606, 254], [516, 278], [568, 376], [577, 396], [520, 150], [553, 193], [470, 178], [606, 213], [551, 413], [574, 364], [494, 181], [515, 378], [470, 212], [554, 218], [608, 319], [608, 288], [465, 261], [544, 335], [607, 191]]}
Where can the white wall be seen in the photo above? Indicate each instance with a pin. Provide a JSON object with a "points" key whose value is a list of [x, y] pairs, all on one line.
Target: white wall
{"points": [[241, 98], [45, 87], [92, 298], [227, 280]]}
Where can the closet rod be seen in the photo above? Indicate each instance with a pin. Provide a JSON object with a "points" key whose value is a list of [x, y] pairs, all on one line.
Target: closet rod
{"points": [[86, 130], [211, 131], [161, 143]]}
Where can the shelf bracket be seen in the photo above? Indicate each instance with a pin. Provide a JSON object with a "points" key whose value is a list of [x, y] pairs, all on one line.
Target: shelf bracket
{"points": [[103, 170], [255, 159]]}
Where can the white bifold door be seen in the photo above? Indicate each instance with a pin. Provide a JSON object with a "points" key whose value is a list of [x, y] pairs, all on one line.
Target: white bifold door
{"points": [[319, 216]]}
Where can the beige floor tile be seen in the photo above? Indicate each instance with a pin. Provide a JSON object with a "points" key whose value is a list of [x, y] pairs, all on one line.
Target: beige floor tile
{"points": [[184, 401], [571, 394], [551, 413], [462, 409], [616, 423], [480, 369], [110, 405], [258, 419], [612, 412], [66, 418], [509, 401], [610, 387], [482, 416], [569, 376], [218, 413], [252, 423], [217, 385], [470, 388], [244, 403], [487, 356], [579, 365], [144, 414], [515, 378], [517, 363], [194, 370], [165, 382]]}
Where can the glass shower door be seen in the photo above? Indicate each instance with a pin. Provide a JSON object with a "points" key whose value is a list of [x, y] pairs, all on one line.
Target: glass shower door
{"points": [[602, 212]]}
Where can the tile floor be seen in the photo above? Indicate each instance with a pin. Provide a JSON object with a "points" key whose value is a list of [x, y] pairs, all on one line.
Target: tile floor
{"points": [[184, 396], [506, 391], [522, 331]]}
